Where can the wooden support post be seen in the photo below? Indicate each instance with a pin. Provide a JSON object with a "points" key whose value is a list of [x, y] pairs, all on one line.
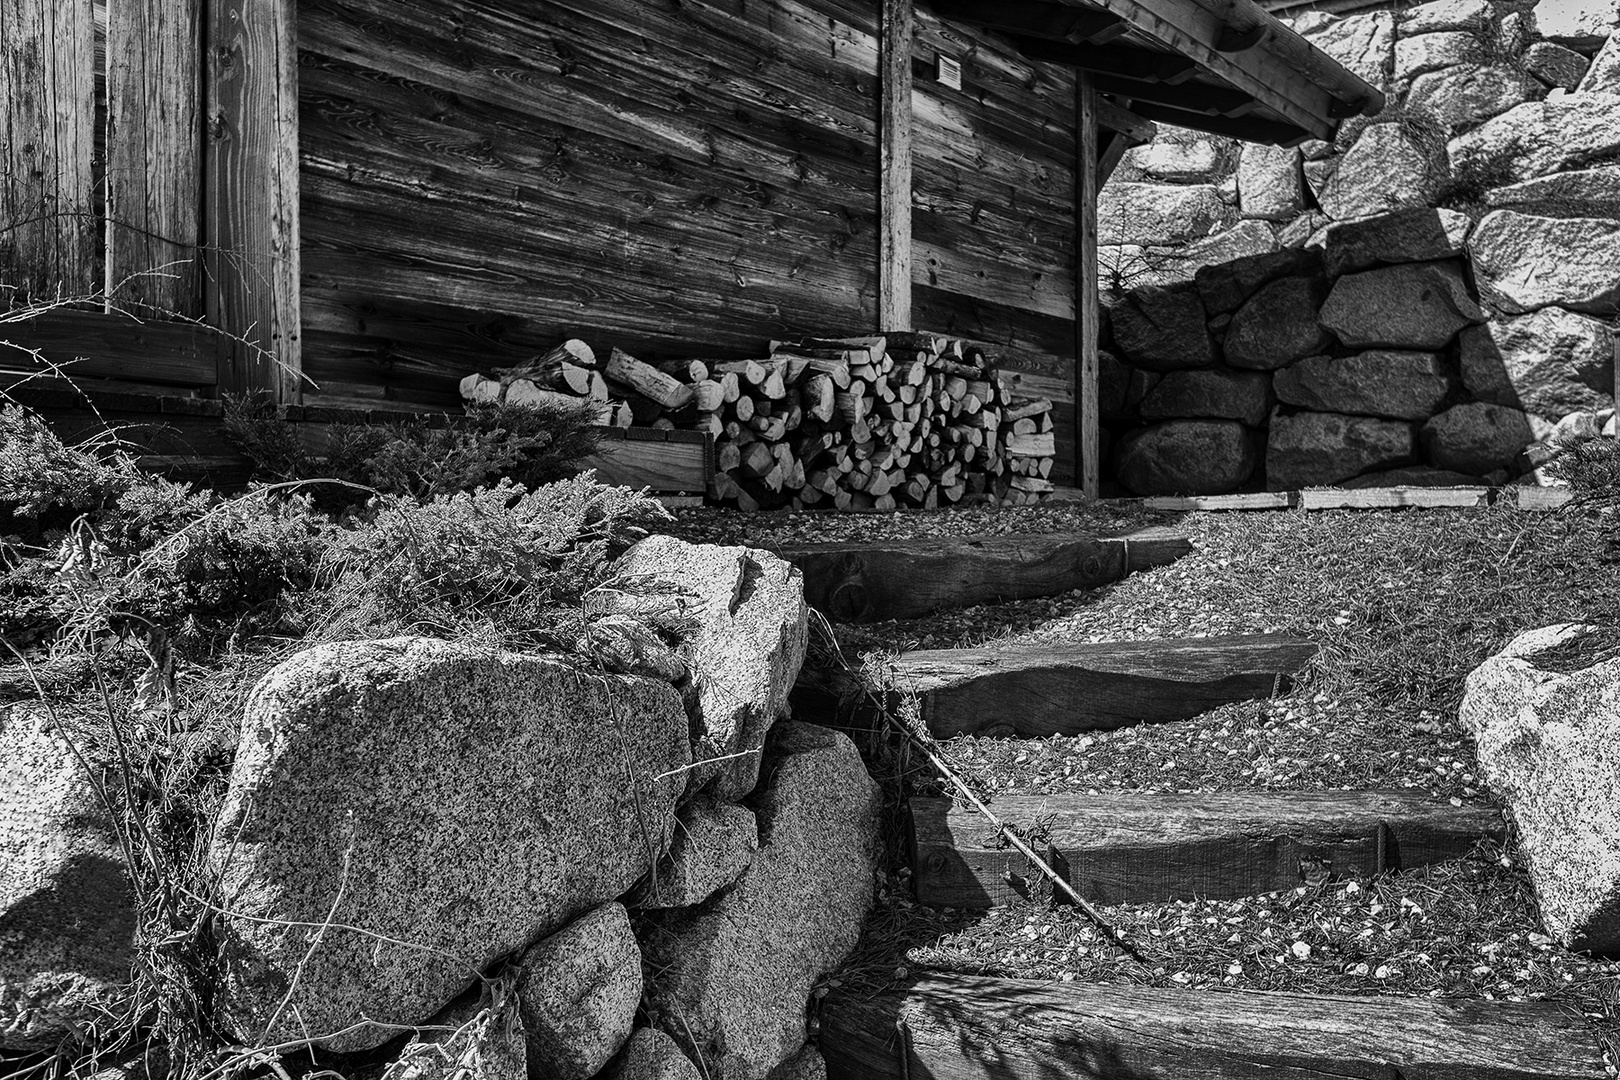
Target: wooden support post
{"points": [[154, 159], [894, 164], [48, 244], [251, 166], [1086, 305]]}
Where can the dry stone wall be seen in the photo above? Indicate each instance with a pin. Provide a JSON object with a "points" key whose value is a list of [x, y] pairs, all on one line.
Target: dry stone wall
{"points": [[1421, 301]]}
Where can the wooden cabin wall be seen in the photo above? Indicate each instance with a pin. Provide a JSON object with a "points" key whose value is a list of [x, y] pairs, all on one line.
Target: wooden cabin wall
{"points": [[482, 178]]}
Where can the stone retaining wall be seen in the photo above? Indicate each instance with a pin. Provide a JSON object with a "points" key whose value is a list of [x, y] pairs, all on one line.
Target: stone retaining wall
{"points": [[1279, 322]]}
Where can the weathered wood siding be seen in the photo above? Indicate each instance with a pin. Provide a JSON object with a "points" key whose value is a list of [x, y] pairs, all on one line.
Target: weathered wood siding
{"points": [[676, 179]]}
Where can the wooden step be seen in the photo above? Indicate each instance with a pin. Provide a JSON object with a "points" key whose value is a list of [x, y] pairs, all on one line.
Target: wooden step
{"points": [[1124, 848], [966, 1028], [1039, 690], [907, 579]]}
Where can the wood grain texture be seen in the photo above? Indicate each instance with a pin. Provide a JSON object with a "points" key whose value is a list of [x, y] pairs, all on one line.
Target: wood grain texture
{"points": [[967, 1028], [655, 464], [154, 156], [251, 165], [1039, 690], [1147, 849], [49, 237], [870, 582], [894, 169], [1088, 311], [1392, 498], [91, 343]]}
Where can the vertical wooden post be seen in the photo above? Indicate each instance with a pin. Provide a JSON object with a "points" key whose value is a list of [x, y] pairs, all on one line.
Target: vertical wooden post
{"points": [[49, 245], [894, 168], [154, 156], [1087, 311], [251, 178]]}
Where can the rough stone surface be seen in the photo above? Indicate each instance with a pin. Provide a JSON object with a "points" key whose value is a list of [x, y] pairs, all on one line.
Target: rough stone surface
{"points": [[1131, 265], [1277, 325], [1417, 306], [1580, 24], [1418, 235], [714, 843], [67, 917], [652, 1055], [1225, 286], [744, 645], [1442, 15], [1414, 476], [1310, 449], [626, 646], [1187, 457], [1476, 437], [579, 993], [739, 970], [1523, 262], [1216, 394], [1163, 328], [1385, 170], [1549, 745], [1603, 76], [1397, 385], [1550, 363], [1461, 97], [1422, 53], [807, 1064], [1363, 43], [1539, 138], [1270, 182], [458, 799], [1582, 193], [1179, 161], [1556, 65], [1137, 213]]}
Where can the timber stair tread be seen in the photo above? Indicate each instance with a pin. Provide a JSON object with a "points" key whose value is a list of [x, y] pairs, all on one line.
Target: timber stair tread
{"points": [[878, 580], [976, 1028], [1126, 847]]}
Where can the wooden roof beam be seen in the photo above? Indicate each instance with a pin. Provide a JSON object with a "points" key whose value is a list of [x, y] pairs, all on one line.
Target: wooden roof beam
{"points": [[1113, 116], [1037, 19], [1260, 129], [1112, 60], [1249, 27]]}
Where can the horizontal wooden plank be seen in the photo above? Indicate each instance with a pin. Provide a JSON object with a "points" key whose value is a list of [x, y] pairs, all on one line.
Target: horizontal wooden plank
{"points": [[1039, 690], [1256, 500], [968, 1028], [1389, 498], [907, 579], [1536, 498], [113, 346], [661, 466], [1139, 849]]}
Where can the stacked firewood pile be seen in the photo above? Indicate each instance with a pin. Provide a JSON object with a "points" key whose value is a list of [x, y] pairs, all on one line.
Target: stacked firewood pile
{"points": [[903, 419]]}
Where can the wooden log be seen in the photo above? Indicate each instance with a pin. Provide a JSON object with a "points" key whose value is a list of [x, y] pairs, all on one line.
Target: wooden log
{"points": [[971, 1028], [818, 395], [1039, 690], [731, 388], [708, 395], [904, 579], [1031, 445], [1029, 409], [573, 351], [1123, 848], [647, 380], [757, 459]]}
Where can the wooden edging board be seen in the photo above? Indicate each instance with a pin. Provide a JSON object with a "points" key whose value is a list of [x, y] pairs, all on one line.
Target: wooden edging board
{"points": [[1385, 498], [973, 1028], [1037, 690], [1126, 848]]}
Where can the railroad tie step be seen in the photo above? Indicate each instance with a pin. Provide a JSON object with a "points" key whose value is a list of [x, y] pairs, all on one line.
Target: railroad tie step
{"points": [[907, 579], [1131, 848], [971, 1028]]}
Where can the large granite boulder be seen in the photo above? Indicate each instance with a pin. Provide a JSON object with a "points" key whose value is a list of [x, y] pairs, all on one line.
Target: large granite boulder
{"points": [[1177, 160], [1405, 236], [442, 806], [1186, 457], [1580, 24], [578, 994], [1397, 385], [67, 911], [1523, 262], [1413, 476], [1277, 325], [1550, 363], [1225, 286], [1556, 65], [734, 976], [1461, 97], [1163, 328], [1438, 16], [1363, 43], [1603, 76], [743, 632], [1582, 193], [1309, 449], [1138, 213], [1270, 184], [1545, 716], [714, 843], [1419, 54], [1216, 394], [1386, 169], [652, 1055], [1539, 138], [1419, 306], [1476, 437]]}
